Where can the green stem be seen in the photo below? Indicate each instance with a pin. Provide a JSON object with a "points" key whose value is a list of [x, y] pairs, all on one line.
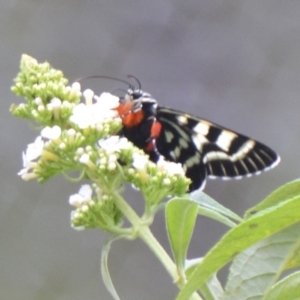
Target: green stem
{"points": [[146, 235]]}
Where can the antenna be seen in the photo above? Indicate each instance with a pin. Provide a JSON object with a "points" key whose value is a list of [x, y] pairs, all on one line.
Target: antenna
{"points": [[106, 77], [136, 80]]}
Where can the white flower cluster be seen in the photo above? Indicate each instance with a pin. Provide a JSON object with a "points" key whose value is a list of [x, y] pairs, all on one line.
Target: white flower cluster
{"points": [[157, 180], [82, 201], [82, 198], [35, 150], [141, 162], [170, 167], [84, 115], [93, 115], [114, 144], [91, 212]]}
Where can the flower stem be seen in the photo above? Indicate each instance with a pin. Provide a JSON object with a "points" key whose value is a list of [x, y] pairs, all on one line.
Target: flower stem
{"points": [[144, 233]]}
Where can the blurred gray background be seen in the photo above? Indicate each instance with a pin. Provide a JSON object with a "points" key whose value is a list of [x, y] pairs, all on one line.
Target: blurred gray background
{"points": [[235, 62]]}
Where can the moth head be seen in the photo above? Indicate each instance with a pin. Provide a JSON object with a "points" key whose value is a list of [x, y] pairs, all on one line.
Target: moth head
{"points": [[135, 98]]}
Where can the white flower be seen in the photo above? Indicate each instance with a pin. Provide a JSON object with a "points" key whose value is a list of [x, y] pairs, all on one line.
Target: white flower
{"points": [[38, 101], [110, 144], [51, 133], [84, 195], [114, 144], [84, 158], [33, 151], [41, 108], [170, 167], [112, 166], [105, 105], [166, 181], [82, 115], [84, 208], [91, 115], [79, 151], [107, 100], [79, 228], [88, 94], [71, 132], [140, 161], [76, 86], [112, 158], [56, 103], [124, 143]]}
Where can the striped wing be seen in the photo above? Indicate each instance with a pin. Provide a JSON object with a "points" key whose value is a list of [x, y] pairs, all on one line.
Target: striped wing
{"points": [[206, 149]]}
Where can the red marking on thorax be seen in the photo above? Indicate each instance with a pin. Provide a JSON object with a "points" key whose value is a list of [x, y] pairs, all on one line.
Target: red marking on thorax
{"points": [[149, 147], [155, 129], [129, 119], [133, 119], [155, 132]]}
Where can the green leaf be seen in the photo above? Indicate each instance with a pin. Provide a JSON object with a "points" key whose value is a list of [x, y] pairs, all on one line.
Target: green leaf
{"points": [[104, 267], [294, 261], [180, 220], [212, 288], [254, 271], [215, 215], [287, 288], [206, 201], [287, 191], [260, 226]]}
